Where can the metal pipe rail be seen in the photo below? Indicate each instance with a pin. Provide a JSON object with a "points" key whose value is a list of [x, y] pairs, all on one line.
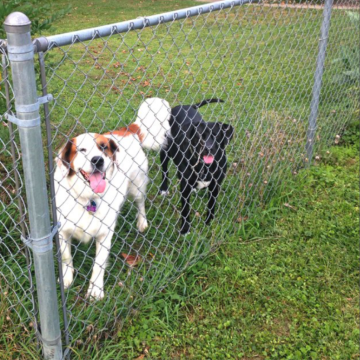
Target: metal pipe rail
{"points": [[49, 42]]}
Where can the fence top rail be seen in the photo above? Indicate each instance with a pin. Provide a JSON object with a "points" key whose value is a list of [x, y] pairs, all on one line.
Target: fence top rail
{"points": [[49, 42]]}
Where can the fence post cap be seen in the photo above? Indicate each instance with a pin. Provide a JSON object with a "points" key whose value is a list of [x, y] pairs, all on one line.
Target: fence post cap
{"points": [[16, 21]]}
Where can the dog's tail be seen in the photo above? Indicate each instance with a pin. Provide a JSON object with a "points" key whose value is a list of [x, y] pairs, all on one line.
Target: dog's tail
{"points": [[206, 102], [153, 120]]}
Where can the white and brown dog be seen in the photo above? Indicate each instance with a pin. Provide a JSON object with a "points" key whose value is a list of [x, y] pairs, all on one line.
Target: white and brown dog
{"points": [[94, 175]]}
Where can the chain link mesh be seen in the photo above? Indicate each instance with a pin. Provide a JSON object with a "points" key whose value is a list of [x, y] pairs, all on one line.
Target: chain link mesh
{"points": [[16, 284], [260, 60]]}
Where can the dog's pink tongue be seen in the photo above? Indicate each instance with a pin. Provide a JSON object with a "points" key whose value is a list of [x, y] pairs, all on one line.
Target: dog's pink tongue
{"points": [[208, 159], [97, 183]]}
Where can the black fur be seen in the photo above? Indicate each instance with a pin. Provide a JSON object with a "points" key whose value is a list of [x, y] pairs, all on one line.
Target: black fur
{"points": [[206, 102], [190, 141]]}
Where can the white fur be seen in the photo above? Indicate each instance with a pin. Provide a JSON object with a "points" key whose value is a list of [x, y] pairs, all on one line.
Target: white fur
{"points": [[153, 120], [126, 176], [202, 184]]}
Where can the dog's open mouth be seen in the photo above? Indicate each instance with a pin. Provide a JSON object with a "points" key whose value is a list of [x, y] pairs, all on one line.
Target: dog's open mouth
{"points": [[96, 180], [208, 159]]}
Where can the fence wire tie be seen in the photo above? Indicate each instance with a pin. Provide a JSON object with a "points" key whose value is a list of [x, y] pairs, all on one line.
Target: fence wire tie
{"points": [[22, 123], [43, 244], [28, 109]]}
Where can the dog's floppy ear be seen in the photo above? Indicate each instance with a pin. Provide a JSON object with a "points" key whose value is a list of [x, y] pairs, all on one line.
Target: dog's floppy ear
{"points": [[66, 157], [222, 132], [228, 132]]}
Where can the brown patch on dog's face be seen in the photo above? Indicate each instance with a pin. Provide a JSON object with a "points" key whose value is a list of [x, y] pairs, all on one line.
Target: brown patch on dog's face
{"points": [[107, 146], [132, 129], [68, 155]]}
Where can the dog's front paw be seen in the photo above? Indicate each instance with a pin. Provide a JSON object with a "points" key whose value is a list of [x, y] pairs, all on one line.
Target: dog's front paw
{"points": [[95, 292], [68, 276], [142, 224], [164, 192]]}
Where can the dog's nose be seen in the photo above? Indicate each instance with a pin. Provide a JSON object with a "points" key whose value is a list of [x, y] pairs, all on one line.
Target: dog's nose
{"points": [[98, 162]]}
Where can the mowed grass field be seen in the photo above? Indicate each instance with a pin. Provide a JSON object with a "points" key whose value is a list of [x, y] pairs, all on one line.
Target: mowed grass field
{"points": [[283, 282]]}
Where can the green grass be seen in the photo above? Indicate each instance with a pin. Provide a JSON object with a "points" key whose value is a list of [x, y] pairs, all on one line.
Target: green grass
{"points": [[285, 285], [278, 285]]}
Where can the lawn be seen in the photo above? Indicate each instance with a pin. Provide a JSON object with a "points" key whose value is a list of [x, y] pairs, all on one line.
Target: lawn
{"points": [[283, 282]]}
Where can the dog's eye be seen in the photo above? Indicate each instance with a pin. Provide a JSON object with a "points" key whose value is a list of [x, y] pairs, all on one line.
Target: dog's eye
{"points": [[104, 147], [83, 150]]}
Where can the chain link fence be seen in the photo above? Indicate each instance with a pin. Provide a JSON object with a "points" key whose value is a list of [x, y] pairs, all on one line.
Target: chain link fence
{"points": [[259, 59], [18, 304]]}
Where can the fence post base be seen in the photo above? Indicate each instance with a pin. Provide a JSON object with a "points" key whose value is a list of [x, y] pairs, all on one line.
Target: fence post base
{"points": [[314, 107]]}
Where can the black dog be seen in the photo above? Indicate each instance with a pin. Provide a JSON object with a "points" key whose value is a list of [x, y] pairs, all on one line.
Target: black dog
{"points": [[198, 151]]}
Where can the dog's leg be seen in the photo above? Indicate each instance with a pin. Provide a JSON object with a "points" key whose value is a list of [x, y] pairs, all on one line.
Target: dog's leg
{"points": [[164, 158], [66, 259], [137, 189], [142, 223], [96, 287], [185, 189], [214, 188]]}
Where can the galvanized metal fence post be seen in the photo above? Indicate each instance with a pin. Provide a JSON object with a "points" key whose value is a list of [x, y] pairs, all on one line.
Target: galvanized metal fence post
{"points": [[21, 56], [314, 107]]}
